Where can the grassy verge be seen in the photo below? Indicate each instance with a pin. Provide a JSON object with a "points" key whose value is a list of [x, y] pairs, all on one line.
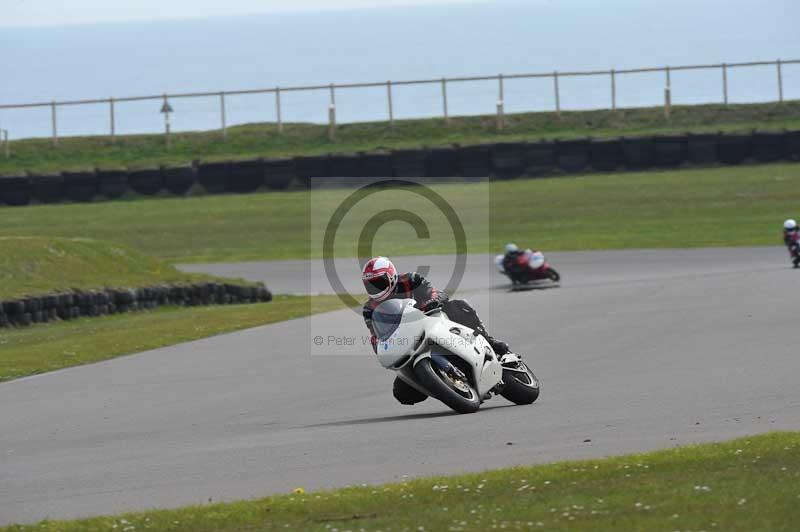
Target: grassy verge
{"points": [[748, 484], [52, 346], [263, 139], [727, 206], [39, 265]]}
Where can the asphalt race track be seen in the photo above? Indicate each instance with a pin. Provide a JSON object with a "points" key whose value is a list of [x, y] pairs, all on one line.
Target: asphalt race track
{"points": [[637, 350]]}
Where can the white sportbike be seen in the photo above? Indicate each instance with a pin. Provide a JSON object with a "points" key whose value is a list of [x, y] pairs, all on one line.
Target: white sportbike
{"points": [[446, 360]]}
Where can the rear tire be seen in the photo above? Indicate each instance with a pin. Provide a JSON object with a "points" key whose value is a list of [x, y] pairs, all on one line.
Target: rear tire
{"points": [[520, 385], [553, 275], [462, 402]]}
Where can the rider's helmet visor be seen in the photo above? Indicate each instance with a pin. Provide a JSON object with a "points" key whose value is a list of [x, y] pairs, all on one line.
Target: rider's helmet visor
{"points": [[376, 285]]}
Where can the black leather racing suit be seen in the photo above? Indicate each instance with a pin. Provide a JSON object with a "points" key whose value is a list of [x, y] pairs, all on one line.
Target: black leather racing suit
{"points": [[792, 241]]}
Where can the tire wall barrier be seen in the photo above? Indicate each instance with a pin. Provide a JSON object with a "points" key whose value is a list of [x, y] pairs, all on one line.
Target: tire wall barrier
{"points": [[769, 147], [48, 188], [410, 163], [443, 162], [506, 160], [475, 162], [792, 145], [540, 158], [733, 149], [639, 153], [670, 151], [179, 179], [573, 155], [279, 173], [702, 149], [15, 189], [377, 164], [245, 176], [112, 183], [344, 165], [80, 186], [147, 181], [213, 177], [71, 305], [309, 168], [606, 155]]}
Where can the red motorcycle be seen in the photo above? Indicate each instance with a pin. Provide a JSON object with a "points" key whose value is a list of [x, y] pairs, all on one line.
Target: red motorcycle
{"points": [[523, 267]]}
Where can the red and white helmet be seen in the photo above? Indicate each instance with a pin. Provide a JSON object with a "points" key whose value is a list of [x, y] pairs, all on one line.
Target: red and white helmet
{"points": [[380, 278]]}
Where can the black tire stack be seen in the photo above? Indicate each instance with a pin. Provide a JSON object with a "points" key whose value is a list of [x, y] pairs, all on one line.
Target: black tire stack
{"points": [[505, 160], [70, 305]]}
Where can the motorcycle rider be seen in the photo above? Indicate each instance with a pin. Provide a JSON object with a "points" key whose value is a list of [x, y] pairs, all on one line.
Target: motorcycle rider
{"points": [[791, 237], [382, 282], [512, 252]]}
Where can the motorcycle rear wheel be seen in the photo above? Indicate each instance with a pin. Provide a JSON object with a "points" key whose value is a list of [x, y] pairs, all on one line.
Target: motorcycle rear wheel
{"points": [[520, 385], [460, 396]]}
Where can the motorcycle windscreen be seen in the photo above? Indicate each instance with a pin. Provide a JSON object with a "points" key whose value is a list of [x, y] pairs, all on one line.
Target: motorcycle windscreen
{"points": [[386, 318], [536, 260]]}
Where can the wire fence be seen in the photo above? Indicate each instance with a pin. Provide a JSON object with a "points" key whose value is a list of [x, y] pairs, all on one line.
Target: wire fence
{"points": [[443, 85]]}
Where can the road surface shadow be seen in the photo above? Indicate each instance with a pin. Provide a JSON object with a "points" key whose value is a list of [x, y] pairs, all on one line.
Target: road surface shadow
{"points": [[390, 419], [547, 285]]}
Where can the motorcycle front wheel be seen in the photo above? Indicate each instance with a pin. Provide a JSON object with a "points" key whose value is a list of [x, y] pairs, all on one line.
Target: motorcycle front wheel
{"points": [[553, 275], [520, 385], [455, 392]]}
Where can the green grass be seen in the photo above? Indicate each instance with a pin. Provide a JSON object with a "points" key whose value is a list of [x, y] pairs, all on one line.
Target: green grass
{"points": [[751, 484], [726, 206], [57, 345], [39, 265], [256, 140]]}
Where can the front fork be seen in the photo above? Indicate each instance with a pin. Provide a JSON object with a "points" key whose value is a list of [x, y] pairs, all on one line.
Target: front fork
{"points": [[447, 367]]}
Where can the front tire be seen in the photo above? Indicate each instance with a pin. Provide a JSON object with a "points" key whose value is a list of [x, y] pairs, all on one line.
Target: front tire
{"points": [[460, 396], [520, 385], [553, 275]]}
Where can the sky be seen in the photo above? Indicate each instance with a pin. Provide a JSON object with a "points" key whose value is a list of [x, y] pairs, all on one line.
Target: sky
{"points": [[64, 12]]}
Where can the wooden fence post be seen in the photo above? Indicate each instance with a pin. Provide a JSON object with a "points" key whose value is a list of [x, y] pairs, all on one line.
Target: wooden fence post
{"points": [[725, 83], [444, 101], [112, 119], [278, 109], [222, 117], [668, 94], [613, 90], [501, 103], [54, 121], [166, 110], [332, 122], [557, 91], [391, 105]]}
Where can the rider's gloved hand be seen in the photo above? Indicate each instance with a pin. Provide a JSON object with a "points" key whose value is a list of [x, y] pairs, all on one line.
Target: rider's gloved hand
{"points": [[431, 304]]}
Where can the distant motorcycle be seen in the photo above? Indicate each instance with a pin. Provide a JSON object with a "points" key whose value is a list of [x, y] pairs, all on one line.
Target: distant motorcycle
{"points": [[525, 267], [443, 359]]}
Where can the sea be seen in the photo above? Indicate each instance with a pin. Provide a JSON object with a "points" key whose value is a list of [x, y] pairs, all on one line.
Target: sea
{"points": [[123, 59]]}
